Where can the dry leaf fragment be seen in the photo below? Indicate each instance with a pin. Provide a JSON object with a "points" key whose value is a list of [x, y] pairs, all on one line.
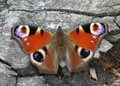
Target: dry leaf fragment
{"points": [[93, 73]]}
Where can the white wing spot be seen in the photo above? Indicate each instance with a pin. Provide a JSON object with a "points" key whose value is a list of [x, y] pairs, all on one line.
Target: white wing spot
{"points": [[92, 41], [28, 43], [25, 39], [94, 36]]}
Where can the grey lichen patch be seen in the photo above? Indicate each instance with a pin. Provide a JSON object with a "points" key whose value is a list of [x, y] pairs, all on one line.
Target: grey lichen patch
{"points": [[34, 81], [6, 75], [113, 38], [84, 5], [6, 80], [11, 52], [118, 21], [65, 20], [5, 69], [104, 47]]}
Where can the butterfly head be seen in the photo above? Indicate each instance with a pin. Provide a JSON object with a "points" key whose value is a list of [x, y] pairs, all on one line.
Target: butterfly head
{"points": [[59, 29]]}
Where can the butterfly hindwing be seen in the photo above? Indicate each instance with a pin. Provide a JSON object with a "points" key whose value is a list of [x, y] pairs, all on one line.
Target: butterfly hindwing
{"points": [[37, 43], [45, 59], [77, 57]]}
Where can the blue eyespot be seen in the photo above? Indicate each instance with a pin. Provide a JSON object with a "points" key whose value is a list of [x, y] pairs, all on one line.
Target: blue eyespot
{"points": [[17, 32], [38, 56], [100, 30], [84, 53], [20, 32]]}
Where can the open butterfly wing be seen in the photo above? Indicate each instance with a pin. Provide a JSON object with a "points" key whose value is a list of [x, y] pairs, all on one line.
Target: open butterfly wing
{"points": [[83, 41], [36, 42]]}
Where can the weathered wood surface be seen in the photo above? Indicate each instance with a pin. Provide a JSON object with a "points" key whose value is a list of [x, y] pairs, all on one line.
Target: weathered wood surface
{"points": [[15, 66]]}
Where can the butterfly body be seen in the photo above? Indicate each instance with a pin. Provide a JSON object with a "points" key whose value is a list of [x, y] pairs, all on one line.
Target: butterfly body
{"points": [[47, 50]]}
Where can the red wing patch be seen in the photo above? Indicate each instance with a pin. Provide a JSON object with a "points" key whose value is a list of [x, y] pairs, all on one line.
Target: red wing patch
{"points": [[85, 40], [34, 42], [88, 36], [32, 38]]}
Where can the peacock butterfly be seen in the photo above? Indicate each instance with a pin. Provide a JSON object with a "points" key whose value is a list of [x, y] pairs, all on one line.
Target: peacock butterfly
{"points": [[46, 49]]}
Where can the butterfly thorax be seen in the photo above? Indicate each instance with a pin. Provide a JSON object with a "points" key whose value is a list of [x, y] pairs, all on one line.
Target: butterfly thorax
{"points": [[60, 43]]}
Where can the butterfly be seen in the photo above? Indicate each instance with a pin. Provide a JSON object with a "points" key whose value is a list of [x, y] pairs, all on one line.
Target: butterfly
{"points": [[47, 50]]}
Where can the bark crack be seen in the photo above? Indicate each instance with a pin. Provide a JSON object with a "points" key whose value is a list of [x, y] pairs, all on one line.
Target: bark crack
{"points": [[115, 19], [5, 62], [16, 81], [73, 11], [18, 71]]}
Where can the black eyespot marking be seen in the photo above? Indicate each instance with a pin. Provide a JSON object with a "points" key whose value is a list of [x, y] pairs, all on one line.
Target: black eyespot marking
{"points": [[33, 29], [77, 30], [84, 53], [76, 48], [86, 28], [41, 32], [38, 56], [45, 49]]}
